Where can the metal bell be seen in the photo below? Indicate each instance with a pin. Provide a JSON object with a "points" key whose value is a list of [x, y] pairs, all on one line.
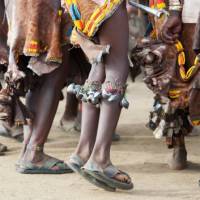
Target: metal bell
{"points": [[124, 103], [71, 88], [97, 95], [114, 97], [84, 98], [79, 92], [105, 94]]}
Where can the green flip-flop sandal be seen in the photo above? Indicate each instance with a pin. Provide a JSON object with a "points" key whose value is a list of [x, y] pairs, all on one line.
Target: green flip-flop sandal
{"points": [[76, 163], [108, 175], [50, 166]]}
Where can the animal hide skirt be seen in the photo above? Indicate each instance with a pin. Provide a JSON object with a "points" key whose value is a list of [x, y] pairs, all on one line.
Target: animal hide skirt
{"points": [[37, 34], [37, 29]]}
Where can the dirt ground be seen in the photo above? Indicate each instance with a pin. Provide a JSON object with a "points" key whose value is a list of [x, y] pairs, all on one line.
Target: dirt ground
{"points": [[138, 153]]}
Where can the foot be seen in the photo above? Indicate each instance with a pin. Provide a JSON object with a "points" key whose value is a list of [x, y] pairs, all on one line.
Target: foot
{"points": [[103, 165], [116, 137], [15, 132], [83, 154], [109, 175], [77, 125], [77, 122], [76, 164], [4, 131], [66, 124], [3, 148], [35, 161], [178, 161]]}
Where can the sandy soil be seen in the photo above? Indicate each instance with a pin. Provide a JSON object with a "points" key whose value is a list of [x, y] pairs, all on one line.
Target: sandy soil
{"points": [[138, 153]]}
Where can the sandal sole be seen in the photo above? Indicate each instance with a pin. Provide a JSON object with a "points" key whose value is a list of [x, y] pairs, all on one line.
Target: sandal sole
{"points": [[91, 179], [42, 171], [110, 182]]}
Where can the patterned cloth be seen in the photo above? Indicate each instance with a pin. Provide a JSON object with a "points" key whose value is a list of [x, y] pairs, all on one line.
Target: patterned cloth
{"points": [[88, 15], [160, 4], [37, 29]]}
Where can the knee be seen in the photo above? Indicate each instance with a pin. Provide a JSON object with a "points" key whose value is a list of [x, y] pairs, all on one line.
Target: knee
{"points": [[118, 70]]}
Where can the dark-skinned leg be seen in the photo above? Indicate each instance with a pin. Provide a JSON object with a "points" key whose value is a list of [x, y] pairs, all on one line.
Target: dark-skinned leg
{"points": [[114, 32], [77, 121], [71, 107], [70, 113], [90, 118], [79, 64], [178, 160], [77, 124], [31, 98], [46, 98]]}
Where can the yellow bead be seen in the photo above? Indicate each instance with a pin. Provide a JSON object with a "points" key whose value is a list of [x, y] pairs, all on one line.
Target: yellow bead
{"points": [[179, 46], [181, 58]]}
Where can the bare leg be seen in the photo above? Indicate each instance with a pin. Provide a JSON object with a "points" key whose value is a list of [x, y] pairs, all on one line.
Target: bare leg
{"points": [[90, 118], [114, 32], [77, 121], [79, 64], [77, 124], [178, 160], [31, 98], [71, 108], [70, 113], [46, 99]]}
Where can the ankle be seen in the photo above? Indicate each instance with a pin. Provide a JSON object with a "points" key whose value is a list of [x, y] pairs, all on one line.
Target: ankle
{"points": [[68, 117], [36, 143], [23, 150], [84, 152], [33, 153], [179, 142], [101, 157]]}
